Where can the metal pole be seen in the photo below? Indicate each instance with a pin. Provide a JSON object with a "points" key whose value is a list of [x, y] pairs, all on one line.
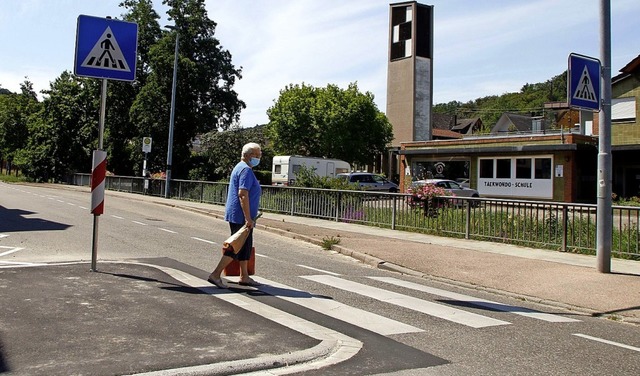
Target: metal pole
{"points": [[145, 175], [94, 248], [103, 111], [96, 218], [172, 117], [604, 214]]}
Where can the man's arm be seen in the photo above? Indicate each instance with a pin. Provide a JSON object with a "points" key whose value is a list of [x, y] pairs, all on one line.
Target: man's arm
{"points": [[243, 195]]}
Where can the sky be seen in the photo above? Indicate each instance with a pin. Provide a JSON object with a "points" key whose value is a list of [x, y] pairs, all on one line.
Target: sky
{"points": [[481, 47]]}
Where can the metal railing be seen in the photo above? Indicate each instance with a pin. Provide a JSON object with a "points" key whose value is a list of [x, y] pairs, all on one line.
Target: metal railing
{"points": [[568, 227]]}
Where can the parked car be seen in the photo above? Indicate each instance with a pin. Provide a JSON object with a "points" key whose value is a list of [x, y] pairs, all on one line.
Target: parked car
{"points": [[463, 182], [369, 181], [450, 186]]}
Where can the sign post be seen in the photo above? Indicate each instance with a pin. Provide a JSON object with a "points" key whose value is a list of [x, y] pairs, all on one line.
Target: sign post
{"points": [[589, 88], [105, 49], [146, 148]]}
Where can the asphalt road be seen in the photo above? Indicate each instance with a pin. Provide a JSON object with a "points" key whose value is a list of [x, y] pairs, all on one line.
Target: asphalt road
{"points": [[425, 327]]}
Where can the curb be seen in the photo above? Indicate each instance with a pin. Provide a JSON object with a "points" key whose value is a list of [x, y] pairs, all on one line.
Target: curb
{"points": [[266, 364], [381, 264]]}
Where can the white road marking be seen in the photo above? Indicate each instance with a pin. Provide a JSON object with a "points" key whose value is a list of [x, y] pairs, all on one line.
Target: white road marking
{"points": [[115, 216], [3, 236], [608, 342], [334, 347], [203, 240], [432, 309], [139, 223], [10, 251], [329, 307], [13, 264], [476, 301], [60, 201], [318, 270], [82, 207], [71, 203], [164, 229]]}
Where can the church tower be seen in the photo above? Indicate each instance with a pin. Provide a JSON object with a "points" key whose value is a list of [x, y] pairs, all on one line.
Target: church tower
{"points": [[410, 71]]}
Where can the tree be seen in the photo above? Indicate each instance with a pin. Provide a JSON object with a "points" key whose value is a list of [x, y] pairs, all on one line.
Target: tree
{"points": [[205, 99], [221, 152], [15, 110], [64, 132], [123, 137], [328, 122], [529, 100]]}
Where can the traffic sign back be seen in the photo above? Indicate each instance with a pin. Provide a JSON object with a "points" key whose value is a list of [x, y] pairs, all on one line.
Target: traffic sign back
{"points": [[584, 82], [106, 48]]}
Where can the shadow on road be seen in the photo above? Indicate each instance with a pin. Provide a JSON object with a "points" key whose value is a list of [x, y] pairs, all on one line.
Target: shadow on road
{"points": [[16, 220], [4, 367]]}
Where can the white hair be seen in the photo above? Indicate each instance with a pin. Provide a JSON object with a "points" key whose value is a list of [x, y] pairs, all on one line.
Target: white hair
{"points": [[250, 148]]}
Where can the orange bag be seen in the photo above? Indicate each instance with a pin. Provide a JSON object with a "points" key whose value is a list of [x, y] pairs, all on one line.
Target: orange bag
{"points": [[233, 269]]}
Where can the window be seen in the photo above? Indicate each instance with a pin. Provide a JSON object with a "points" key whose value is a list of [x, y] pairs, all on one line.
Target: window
{"points": [[277, 168], [543, 168], [503, 168], [523, 168], [536, 125], [362, 179], [623, 110], [401, 19], [516, 176], [379, 179], [486, 168]]}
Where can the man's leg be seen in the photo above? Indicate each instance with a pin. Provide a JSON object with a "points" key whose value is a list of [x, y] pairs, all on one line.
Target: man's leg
{"points": [[244, 271], [215, 276]]}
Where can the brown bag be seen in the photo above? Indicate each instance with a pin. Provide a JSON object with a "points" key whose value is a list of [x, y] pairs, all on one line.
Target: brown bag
{"points": [[235, 242]]}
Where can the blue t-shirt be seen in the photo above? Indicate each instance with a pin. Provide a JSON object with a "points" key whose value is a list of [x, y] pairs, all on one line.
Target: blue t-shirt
{"points": [[242, 177]]}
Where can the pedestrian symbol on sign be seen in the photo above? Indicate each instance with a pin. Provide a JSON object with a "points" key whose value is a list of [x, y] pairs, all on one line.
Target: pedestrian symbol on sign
{"points": [[106, 54], [583, 82], [585, 90]]}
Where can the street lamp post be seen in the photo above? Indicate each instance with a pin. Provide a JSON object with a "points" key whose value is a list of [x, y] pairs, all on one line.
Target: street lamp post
{"points": [[172, 115]]}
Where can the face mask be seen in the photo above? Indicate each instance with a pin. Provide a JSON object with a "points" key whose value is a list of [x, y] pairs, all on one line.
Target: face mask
{"points": [[254, 161]]}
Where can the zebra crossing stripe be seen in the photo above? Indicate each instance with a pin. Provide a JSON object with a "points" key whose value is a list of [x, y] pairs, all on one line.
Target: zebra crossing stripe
{"points": [[10, 250], [432, 309], [477, 302], [334, 347], [355, 316]]}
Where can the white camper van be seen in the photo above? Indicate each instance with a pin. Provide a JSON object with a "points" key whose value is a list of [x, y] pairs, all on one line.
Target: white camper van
{"points": [[285, 167]]}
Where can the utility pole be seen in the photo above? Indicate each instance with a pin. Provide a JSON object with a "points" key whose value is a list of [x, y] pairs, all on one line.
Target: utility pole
{"points": [[604, 209], [167, 190]]}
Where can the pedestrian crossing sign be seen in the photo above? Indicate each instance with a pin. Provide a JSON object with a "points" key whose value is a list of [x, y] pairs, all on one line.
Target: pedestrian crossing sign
{"points": [[106, 48], [584, 82]]}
